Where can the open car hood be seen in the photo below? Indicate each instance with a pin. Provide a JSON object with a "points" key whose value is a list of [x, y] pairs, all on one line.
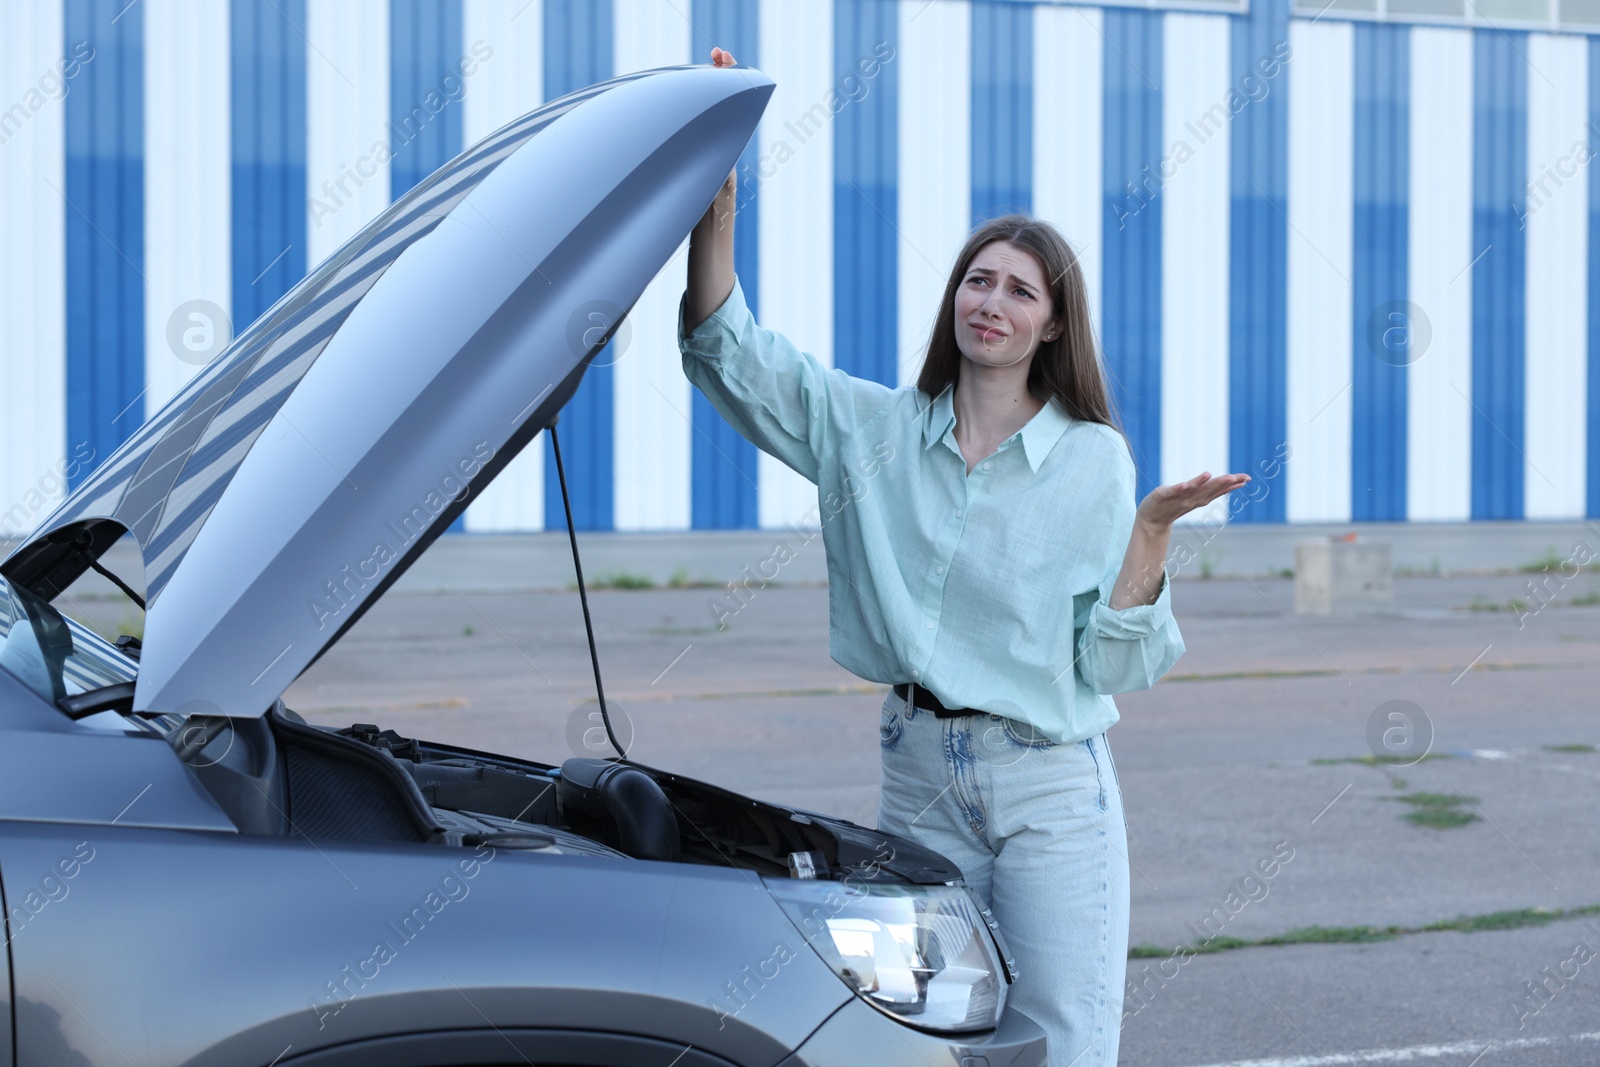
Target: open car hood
{"points": [[303, 470]]}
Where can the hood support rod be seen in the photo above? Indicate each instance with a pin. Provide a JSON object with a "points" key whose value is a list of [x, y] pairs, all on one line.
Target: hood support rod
{"points": [[583, 596], [112, 578]]}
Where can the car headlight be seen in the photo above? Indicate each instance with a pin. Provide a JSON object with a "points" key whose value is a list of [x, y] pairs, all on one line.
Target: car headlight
{"points": [[921, 953]]}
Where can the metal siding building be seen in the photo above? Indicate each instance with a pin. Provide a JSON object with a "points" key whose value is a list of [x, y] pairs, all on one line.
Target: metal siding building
{"points": [[1358, 245]]}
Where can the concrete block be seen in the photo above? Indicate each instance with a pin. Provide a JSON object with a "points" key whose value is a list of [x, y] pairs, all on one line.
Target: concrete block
{"points": [[1342, 577]]}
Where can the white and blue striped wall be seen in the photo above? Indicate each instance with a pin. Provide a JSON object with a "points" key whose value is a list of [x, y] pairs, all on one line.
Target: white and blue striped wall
{"points": [[1364, 246]]}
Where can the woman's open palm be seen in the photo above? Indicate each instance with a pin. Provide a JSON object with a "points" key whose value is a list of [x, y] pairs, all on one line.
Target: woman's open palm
{"points": [[1167, 503]]}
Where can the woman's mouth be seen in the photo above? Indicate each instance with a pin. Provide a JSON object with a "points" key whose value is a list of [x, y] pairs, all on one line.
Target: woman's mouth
{"points": [[990, 334]]}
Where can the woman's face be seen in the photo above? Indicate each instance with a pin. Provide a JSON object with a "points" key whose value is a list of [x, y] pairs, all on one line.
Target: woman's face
{"points": [[1003, 308]]}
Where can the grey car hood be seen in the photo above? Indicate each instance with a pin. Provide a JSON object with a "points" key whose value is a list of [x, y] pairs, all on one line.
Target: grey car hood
{"points": [[304, 469]]}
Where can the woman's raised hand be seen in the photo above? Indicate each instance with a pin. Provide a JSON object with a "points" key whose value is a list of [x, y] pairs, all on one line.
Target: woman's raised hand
{"points": [[1144, 563], [721, 57], [711, 243], [1167, 503]]}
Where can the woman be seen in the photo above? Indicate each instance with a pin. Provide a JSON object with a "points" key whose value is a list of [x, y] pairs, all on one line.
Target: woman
{"points": [[974, 526]]}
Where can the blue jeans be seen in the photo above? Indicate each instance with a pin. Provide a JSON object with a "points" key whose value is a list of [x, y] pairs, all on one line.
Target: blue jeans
{"points": [[1037, 828]]}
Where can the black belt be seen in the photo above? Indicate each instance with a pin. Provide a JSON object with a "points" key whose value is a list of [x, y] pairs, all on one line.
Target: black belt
{"points": [[928, 702]]}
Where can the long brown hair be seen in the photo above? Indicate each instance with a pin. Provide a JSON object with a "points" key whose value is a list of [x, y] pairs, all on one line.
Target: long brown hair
{"points": [[1067, 370]]}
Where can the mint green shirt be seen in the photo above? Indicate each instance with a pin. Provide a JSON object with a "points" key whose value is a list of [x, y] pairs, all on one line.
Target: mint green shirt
{"points": [[990, 589]]}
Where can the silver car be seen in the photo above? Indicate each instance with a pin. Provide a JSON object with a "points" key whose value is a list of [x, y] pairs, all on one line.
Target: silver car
{"points": [[192, 874]]}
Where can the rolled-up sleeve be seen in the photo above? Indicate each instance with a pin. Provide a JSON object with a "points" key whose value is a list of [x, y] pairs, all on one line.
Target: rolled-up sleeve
{"points": [[1120, 651], [782, 400]]}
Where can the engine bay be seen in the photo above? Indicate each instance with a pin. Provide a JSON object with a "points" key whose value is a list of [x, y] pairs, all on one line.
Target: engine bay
{"points": [[283, 776], [623, 808]]}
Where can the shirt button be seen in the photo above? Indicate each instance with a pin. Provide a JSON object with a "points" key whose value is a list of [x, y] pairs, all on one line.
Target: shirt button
{"points": [[958, 514], [986, 466], [938, 570], [930, 626], [916, 674]]}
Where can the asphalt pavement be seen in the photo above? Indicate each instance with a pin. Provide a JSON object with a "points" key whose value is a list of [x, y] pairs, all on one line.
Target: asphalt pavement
{"points": [[1259, 740]]}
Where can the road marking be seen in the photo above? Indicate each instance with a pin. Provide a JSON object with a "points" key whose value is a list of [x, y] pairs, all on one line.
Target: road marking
{"points": [[1410, 1052]]}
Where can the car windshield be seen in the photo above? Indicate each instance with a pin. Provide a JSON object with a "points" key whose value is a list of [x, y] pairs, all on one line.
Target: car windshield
{"points": [[50, 653]]}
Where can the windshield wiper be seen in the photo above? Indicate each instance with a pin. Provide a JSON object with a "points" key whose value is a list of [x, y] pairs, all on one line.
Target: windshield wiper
{"points": [[118, 697]]}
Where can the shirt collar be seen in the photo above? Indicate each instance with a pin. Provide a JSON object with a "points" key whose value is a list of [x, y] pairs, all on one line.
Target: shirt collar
{"points": [[939, 417], [1039, 436]]}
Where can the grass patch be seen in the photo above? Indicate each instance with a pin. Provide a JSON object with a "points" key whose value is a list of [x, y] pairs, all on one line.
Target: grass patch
{"points": [[1513, 605], [679, 579], [1300, 935], [617, 580], [626, 580], [1437, 811], [1334, 935], [1576, 746], [1381, 761], [1512, 920], [1362, 935], [1229, 676], [760, 694], [1440, 818], [1517, 604], [1435, 800], [1145, 951], [1547, 562]]}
